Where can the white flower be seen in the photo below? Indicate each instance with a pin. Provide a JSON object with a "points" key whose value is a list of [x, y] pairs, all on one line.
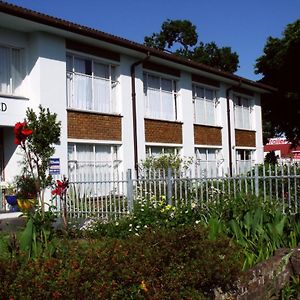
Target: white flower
{"points": [[4, 185], [197, 222], [117, 223]]}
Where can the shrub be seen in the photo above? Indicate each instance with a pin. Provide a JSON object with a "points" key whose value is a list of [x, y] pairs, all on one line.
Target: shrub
{"points": [[174, 263]]}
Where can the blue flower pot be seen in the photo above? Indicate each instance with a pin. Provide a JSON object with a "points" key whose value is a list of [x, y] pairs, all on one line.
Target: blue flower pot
{"points": [[11, 199], [14, 208]]}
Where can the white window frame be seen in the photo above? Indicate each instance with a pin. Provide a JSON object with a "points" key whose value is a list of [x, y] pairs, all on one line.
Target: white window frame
{"points": [[114, 161], [246, 110], [244, 165], [174, 93], [112, 82], [164, 150], [11, 90], [205, 101], [208, 171]]}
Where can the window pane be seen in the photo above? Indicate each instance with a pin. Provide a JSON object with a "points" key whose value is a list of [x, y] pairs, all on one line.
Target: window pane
{"points": [[16, 70], [5, 70], [153, 105], [69, 62], [209, 94], [83, 92], [79, 65], [101, 95], [199, 111], [166, 85], [153, 82], [167, 106], [210, 112], [239, 116], [199, 92], [101, 70]]}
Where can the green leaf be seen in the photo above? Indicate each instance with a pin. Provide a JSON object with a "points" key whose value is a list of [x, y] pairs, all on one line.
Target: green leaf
{"points": [[26, 237]]}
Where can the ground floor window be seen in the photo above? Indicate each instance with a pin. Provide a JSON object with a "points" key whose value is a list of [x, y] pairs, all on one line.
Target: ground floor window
{"points": [[92, 162], [160, 150], [207, 164], [244, 160]]}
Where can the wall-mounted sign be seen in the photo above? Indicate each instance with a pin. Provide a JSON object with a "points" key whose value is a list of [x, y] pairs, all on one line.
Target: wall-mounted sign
{"points": [[54, 166]]}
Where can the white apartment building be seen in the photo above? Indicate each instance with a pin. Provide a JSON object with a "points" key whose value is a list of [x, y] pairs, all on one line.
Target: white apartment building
{"points": [[119, 101]]}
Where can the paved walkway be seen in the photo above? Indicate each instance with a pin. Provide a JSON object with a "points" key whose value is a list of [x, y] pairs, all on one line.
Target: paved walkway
{"points": [[11, 221]]}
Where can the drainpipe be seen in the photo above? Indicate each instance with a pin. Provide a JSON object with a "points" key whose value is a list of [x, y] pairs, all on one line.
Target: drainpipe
{"points": [[229, 127], [229, 130], [134, 116]]}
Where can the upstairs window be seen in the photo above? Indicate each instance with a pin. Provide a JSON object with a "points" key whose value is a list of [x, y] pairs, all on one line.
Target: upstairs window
{"points": [[91, 85], [243, 111], [205, 105], [11, 70], [160, 97]]}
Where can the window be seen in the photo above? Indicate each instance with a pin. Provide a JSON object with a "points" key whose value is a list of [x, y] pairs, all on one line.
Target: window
{"points": [[160, 97], [205, 104], [158, 150], [244, 160], [207, 162], [243, 109], [11, 70], [88, 162], [91, 85]]}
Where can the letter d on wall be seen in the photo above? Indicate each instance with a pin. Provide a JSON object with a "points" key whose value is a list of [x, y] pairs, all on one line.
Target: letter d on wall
{"points": [[3, 106]]}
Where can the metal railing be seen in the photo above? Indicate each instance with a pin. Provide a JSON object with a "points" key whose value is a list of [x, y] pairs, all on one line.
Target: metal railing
{"points": [[115, 197]]}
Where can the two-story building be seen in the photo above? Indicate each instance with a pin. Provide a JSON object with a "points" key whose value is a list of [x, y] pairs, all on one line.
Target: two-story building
{"points": [[120, 101]]}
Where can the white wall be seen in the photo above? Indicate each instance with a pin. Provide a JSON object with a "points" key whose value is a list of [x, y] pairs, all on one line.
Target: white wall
{"points": [[186, 110], [124, 100], [45, 83]]}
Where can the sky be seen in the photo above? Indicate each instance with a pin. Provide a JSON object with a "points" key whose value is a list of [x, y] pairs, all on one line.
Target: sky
{"points": [[242, 25]]}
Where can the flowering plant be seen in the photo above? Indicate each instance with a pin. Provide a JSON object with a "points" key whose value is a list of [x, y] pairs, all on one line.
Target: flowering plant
{"points": [[61, 187], [21, 133], [36, 136], [60, 190]]}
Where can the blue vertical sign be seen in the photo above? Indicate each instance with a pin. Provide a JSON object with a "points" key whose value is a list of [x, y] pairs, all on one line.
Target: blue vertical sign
{"points": [[54, 166]]}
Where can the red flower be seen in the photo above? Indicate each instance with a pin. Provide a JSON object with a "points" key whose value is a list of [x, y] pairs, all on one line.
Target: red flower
{"points": [[21, 132], [60, 187]]}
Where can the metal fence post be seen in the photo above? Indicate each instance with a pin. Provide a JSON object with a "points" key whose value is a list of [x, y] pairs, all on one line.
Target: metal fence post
{"points": [[169, 186], [129, 189], [256, 181]]}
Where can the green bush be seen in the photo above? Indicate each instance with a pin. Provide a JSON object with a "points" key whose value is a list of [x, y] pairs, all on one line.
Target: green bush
{"points": [[174, 263]]}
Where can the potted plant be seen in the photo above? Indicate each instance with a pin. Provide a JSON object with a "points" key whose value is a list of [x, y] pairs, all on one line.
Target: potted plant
{"points": [[9, 191], [26, 191]]}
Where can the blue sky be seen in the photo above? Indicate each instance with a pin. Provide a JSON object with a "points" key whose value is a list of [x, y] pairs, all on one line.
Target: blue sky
{"points": [[242, 25]]}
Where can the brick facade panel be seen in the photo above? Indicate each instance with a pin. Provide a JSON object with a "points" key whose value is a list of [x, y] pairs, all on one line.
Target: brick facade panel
{"points": [[245, 138], [207, 135], [82, 125], [157, 131]]}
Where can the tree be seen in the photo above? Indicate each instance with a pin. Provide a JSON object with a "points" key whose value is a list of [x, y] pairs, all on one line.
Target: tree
{"points": [[182, 35], [280, 65]]}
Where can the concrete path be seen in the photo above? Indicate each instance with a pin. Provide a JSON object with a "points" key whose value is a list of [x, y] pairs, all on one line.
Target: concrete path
{"points": [[11, 221]]}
